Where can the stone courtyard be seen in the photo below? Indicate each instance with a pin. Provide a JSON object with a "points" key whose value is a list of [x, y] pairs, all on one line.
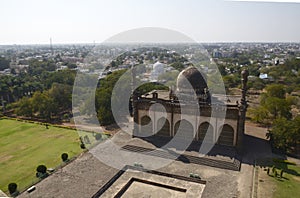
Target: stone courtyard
{"points": [[86, 175]]}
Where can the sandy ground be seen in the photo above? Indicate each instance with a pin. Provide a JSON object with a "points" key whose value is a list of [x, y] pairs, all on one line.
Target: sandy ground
{"points": [[255, 130], [265, 186]]}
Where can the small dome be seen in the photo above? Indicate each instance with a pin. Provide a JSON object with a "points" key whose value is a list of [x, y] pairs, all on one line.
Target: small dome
{"points": [[158, 66], [189, 78], [158, 69]]}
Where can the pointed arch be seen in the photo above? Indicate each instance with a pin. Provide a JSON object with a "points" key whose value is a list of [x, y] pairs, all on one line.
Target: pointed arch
{"points": [[206, 130], [226, 135], [146, 125], [184, 130], [163, 127]]}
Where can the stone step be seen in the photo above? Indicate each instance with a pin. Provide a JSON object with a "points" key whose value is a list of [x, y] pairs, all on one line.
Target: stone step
{"points": [[223, 164]]}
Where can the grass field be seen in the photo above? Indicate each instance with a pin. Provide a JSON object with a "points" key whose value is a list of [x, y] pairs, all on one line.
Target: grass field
{"points": [[288, 186], [282, 187], [23, 146]]}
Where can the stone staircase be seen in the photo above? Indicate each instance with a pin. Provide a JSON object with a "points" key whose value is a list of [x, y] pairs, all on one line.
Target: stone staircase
{"points": [[232, 164]]}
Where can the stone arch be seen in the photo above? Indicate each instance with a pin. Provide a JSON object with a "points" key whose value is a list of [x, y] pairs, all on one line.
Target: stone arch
{"points": [[206, 130], [163, 127], [184, 130], [226, 135], [146, 125]]}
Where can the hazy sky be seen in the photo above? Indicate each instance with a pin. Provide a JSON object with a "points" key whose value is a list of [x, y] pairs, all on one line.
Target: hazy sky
{"points": [[85, 21]]}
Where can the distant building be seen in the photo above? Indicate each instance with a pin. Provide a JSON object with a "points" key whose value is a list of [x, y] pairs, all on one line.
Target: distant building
{"points": [[217, 54], [266, 77], [263, 76], [6, 71]]}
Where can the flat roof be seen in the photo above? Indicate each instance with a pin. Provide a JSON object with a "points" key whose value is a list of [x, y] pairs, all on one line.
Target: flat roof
{"points": [[139, 182]]}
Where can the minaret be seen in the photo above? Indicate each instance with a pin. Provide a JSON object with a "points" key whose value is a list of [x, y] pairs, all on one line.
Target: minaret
{"points": [[134, 99], [243, 110], [245, 74]]}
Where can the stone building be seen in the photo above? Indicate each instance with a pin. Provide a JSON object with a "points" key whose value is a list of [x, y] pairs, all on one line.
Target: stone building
{"points": [[192, 113]]}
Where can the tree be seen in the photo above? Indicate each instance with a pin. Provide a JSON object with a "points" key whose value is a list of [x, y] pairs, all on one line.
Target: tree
{"points": [[276, 90], [43, 104], [24, 107], [4, 63], [103, 105], [222, 70], [98, 136], [292, 100], [231, 81], [285, 134], [279, 133], [104, 97], [12, 188], [37, 67], [72, 65], [61, 94], [259, 114], [295, 132], [178, 66], [147, 87], [64, 157], [258, 84], [5, 88], [41, 169], [66, 77], [277, 107], [274, 100]]}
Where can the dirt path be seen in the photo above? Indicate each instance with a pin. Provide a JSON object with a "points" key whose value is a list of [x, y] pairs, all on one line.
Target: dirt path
{"points": [[265, 186]]}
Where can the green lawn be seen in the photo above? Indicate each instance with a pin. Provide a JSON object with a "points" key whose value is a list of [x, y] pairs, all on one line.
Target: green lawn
{"points": [[23, 146], [288, 186]]}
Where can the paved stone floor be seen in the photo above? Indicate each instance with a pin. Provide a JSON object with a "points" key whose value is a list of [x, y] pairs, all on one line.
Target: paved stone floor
{"points": [[87, 174], [138, 190], [152, 185]]}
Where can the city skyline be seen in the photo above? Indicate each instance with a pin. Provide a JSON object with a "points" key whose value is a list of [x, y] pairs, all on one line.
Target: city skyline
{"points": [[33, 22]]}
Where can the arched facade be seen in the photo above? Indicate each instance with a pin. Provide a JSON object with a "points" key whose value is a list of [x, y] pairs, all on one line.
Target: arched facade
{"points": [[214, 130], [222, 123]]}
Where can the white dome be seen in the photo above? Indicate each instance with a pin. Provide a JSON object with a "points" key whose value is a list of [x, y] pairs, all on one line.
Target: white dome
{"points": [[158, 67]]}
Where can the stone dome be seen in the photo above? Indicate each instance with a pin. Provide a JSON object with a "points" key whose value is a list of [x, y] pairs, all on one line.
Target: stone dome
{"points": [[189, 78]]}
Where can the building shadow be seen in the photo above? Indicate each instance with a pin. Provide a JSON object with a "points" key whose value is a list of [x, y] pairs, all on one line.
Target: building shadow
{"points": [[253, 148]]}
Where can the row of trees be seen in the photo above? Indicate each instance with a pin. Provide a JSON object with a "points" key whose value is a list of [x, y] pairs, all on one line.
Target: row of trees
{"points": [[274, 103], [275, 111], [12, 88], [105, 95], [40, 92], [46, 104]]}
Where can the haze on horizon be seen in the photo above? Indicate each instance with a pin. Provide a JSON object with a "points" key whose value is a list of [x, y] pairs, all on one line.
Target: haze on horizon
{"points": [[75, 21]]}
